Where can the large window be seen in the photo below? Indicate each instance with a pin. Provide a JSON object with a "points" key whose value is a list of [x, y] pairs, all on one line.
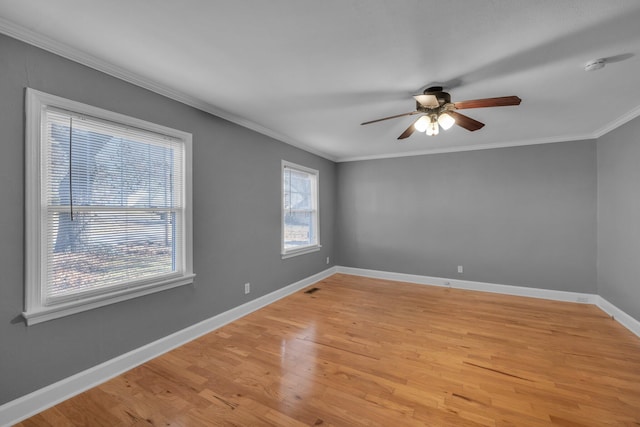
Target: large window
{"points": [[299, 210], [108, 207]]}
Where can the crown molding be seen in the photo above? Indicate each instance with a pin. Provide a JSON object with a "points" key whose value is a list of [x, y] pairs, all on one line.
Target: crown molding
{"points": [[618, 122], [467, 148], [36, 39]]}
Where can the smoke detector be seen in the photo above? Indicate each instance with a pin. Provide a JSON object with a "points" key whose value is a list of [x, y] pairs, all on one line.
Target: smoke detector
{"points": [[594, 65]]}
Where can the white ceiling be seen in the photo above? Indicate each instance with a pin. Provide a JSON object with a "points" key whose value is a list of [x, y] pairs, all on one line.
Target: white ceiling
{"points": [[309, 72]]}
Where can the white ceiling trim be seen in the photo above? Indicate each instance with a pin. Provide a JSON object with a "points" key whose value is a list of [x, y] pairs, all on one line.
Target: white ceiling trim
{"points": [[595, 135], [468, 148], [38, 40], [618, 122]]}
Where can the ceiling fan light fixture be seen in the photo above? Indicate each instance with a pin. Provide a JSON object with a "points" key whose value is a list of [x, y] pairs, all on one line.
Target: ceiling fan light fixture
{"points": [[422, 124], [435, 109], [446, 121], [433, 128]]}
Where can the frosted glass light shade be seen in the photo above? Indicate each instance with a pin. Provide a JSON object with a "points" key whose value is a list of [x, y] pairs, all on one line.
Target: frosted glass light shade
{"points": [[433, 128], [422, 123], [446, 121]]}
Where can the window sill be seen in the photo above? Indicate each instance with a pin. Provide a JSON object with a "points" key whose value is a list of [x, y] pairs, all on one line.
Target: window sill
{"points": [[43, 314], [306, 250]]}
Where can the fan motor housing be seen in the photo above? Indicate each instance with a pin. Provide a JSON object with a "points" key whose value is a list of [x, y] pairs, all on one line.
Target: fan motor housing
{"points": [[444, 101], [438, 92]]}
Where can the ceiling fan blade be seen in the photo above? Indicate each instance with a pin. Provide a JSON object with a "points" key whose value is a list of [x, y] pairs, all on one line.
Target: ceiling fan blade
{"points": [[466, 122], [391, 117], [502, 101], [409, 131], [427, 101]]}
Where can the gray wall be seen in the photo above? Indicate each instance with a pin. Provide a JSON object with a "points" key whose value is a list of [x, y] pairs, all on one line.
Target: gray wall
{"points": [[619, 217], [236, 175], [519, 216], [522, 216]]}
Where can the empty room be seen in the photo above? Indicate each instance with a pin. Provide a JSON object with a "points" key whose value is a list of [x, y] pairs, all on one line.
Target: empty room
{"points": [[329, 213]]}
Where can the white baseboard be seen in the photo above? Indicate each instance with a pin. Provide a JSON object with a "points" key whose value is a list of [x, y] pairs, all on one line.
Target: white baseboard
{"points": [[620, 316], [475, 286], [33, 403]]}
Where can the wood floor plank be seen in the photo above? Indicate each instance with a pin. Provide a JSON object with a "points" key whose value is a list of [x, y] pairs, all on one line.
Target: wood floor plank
{"points": [[371, 352]]}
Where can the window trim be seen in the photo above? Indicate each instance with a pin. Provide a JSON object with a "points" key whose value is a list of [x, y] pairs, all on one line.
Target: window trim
{"points": [[35, 252], [289, 253]]}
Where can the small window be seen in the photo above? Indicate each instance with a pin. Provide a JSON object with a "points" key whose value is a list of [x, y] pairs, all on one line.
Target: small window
{"points": [[108, 207], [300, 232]]}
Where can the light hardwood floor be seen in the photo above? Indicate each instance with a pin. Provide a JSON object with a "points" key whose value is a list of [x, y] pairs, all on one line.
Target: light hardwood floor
{"points": [[362, 351]]}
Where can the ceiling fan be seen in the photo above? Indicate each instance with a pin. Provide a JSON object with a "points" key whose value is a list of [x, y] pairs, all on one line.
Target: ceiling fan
{"points": [[437, 111]]}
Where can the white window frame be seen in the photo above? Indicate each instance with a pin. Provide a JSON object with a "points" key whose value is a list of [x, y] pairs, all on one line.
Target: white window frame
{"points": [[314, 247], [35, 310]]}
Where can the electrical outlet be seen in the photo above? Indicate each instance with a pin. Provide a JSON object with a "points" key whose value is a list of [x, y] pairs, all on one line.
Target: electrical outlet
{"points": [[327, 260], [460, 269], [247, 288]]}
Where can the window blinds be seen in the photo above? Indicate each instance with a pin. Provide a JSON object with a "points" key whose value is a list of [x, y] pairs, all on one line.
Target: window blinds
{"points": [[115, 205], [299, 208]]}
